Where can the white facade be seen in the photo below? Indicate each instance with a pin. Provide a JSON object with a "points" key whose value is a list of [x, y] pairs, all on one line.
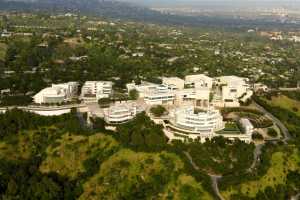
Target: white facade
{"points": [[247, 126], [232, 88], [50, 95], [142, 88], [201, 121], [196, 96], [199, 81], [228, 91], [71, 88], [159, 97], [58, 93], [155, 94], [188, 123], [120, 113], [171, 93], [260, 87], [176, 82], [96, 90]]}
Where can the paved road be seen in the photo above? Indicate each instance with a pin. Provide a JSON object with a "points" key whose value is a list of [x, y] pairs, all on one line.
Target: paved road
{"points": [[81, 119], [257, 152], [256, 156], [284, 130], [214, 178]]}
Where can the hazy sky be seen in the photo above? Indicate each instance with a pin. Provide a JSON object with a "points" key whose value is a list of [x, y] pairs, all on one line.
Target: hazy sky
{"points": [[186, 1], [227, 2]]}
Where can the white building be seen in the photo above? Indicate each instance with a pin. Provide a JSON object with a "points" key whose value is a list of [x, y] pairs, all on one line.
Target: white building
{"points": [[176, 82], [143, 88], [172, 91], [95, 90], [260, 87], [50, 95], [58, 93], [202, 121], [121, 113], [191, 123], [71, 89], [295, 39], [228, 91], [193, 96], [199, 81], [232, 88], [247, 126], [159, 97]]}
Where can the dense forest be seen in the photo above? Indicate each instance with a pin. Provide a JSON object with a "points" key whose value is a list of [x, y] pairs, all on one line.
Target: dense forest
{"points": [[57, 158], [36, 156]]}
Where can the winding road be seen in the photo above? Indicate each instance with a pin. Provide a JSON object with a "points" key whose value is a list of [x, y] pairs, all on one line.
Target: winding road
{"points": [[256, 156], [214, 178], [284, 130]]}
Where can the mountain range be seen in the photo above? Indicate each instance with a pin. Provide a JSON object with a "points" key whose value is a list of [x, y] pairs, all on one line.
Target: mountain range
{"points": [[123, 10]]}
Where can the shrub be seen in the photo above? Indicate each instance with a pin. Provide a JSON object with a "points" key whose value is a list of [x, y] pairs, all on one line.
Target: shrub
{"points": [[133, 94], [272, 132], [158, 111], [257, 136], [104, 102]]}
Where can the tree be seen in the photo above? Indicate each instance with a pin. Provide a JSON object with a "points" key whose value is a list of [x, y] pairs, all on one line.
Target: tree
{"points": [[104, 102], [257, 136], [98, 124], [133, 94], [142, 134], [158, 111], [272, 132]]}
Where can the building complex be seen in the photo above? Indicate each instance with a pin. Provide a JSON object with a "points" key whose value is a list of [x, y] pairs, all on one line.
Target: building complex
{"points": [[198, 90], [192, 103]]}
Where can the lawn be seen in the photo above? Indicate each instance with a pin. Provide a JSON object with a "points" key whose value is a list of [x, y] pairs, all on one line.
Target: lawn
{"points": [[281, 163], [230, 128], [67, 155], [286, 103], [3, 48]]}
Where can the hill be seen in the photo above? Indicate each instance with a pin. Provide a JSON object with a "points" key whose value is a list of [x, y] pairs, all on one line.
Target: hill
{"points": [[136, 12]]}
